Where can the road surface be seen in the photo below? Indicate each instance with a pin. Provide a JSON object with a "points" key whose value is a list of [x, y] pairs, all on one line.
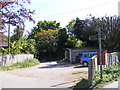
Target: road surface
{"points": [[45, 75]]}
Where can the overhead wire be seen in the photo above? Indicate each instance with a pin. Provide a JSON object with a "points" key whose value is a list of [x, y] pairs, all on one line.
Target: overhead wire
{"points": [[74, 11]]}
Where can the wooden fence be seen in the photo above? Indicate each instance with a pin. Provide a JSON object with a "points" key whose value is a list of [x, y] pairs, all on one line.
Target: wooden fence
{"points": [[111, 59]]}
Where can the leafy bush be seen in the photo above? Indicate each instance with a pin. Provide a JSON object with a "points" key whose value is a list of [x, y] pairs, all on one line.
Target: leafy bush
{"points": [[83, 83], [64, 60], [21, 46], [109, 74], [26, 63], [73, 42]]}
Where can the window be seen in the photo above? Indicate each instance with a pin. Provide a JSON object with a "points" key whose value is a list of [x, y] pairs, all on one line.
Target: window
{"points": [[87, 55]]}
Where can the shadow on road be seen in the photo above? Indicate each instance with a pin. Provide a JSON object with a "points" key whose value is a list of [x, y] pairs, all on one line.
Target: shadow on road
{"points": [[62, 84], [55, 66], [61, 65], [80, 66]]}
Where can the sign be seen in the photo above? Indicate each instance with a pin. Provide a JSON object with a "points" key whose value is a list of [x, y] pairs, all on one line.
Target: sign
{"points": [[95, 37], [103, 58]]}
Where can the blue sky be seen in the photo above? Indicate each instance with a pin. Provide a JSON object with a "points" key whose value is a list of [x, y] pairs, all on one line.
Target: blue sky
{"points": [[64, 11]]}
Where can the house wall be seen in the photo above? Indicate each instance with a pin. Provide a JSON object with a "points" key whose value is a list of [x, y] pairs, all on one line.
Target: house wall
{"points": [[74, 53]]}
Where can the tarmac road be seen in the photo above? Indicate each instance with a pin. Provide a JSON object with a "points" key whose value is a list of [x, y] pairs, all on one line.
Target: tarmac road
{"points": [[45, 75]]}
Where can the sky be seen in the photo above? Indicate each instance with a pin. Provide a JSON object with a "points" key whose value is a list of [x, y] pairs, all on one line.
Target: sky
{"points": [[64, 11]]}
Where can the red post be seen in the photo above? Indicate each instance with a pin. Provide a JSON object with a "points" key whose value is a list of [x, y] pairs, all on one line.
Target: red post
{"points": [[103, 58]]}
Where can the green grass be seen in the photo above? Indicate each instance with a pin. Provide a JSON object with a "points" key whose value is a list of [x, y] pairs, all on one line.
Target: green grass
{"points": [[80, 72], [83, 83], [26, 63], [110, 74]]}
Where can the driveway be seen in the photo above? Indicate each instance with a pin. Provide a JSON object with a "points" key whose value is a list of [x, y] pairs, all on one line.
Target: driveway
{"points": [[44, 75]]}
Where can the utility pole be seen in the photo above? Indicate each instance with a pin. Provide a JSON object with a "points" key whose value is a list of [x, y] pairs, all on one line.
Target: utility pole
{"points": [[9, 37], [100, 50]]}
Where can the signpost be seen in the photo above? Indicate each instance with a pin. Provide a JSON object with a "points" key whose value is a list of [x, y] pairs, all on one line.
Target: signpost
{"points": [[95, 37], [100, 51], [99, 37]]}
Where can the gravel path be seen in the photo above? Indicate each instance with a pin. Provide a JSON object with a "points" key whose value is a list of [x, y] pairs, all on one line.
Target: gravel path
{"points": [[45, 75]]}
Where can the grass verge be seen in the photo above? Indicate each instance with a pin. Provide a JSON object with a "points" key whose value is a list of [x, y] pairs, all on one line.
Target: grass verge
{"points": [[80, 72], [110, 74], [26, 63], [83, 83]]}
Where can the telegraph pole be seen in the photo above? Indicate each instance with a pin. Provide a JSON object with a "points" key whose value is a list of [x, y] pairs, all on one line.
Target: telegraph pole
{"points": [[100, 47], [9, 37], [100, 51]]}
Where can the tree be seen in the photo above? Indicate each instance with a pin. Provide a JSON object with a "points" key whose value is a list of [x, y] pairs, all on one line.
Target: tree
{"points": [[73, 42], [15, 13], [110, 26], [82, 30], [22, 46], [17, 34], [46, 43], [50, 39], [62, 38], [78, 28], [70, 27], [44, 25]]}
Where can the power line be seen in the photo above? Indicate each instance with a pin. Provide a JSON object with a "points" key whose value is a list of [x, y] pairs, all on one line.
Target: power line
{"points": [[74, 11]]}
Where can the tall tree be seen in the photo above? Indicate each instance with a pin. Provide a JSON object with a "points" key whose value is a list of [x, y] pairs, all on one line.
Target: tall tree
{"points": [[78, 28], [15, 13], [46, 43], [111, 28], [18, 33], [70, 27], [82, 29], [44, 25]]}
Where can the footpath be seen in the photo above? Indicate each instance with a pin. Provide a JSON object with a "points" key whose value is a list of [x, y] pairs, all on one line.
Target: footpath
{"points": [[115, 84]]}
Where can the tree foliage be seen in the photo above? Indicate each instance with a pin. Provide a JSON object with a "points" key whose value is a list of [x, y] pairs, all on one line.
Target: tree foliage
{"points": [[46, 42], [21, 46], [73, 42], [44, 25], [110, 26], [62, 39], [15, 13], [17, 34], [82, 30]]}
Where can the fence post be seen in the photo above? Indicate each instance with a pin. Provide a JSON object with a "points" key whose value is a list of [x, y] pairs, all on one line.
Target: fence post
{"points": [[70, 56], [111, 59], [90, 73]]}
